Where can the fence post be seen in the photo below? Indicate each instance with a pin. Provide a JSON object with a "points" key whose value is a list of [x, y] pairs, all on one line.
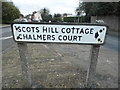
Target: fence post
{"points": [[92, 68], [24, 57]]}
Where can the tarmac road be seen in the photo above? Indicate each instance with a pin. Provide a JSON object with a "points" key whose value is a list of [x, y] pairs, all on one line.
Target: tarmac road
{"points": [[112, 41], [6, 39]]}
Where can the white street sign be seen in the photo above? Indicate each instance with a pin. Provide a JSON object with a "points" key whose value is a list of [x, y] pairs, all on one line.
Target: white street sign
{"points": [[59, 33]]}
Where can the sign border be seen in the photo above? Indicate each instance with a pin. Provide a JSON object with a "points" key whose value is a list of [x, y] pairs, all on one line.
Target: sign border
{"points": [[90, 24]]}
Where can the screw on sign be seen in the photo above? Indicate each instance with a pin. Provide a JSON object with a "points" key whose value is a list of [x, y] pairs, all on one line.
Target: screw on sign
{"points": [[88, 34]]}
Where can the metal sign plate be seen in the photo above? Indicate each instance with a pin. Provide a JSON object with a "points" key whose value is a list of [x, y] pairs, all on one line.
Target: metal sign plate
{"points": [[59, 33]]}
